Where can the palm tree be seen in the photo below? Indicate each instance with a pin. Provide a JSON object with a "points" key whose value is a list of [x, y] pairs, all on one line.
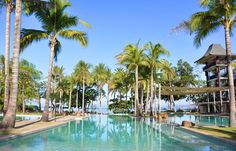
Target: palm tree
{"points": [[9, 8], [71, 80], [133, 57], [167, 74], [219, 13], [58, 71], [9, 118], [55, 22], [109, 76], [154, 53], [82, 74], [100, 78], [2, 66]]}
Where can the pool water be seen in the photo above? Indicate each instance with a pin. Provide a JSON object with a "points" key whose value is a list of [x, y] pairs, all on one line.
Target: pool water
{"points": [[115, 133], [202, 120]]}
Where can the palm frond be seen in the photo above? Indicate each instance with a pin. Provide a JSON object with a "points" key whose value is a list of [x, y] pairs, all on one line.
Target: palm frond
{"points": [[28, 36], [57, 49], [202, 24], [84, 23], [75, 35]]}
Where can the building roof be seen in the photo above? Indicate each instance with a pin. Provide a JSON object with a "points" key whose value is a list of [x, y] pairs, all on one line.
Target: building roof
{"points": [[214, 50]]}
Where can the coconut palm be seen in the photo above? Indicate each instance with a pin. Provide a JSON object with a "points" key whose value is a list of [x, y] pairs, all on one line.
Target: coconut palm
{"points": [[82, 74], [9, 7], [58, 73], [219, 13], [55, 22], [2, 66], [154, 53], [109, 76], [133, 57], [71, 80], [100, 78], [9, 118], [167, 74]]}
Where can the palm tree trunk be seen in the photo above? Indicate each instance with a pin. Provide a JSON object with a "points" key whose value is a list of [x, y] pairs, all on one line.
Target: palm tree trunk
{"points": [[70, 99], [100, 100], [108, 98], [10, 116], [77, 99], [151, 97], [136, 93], [7, 56], [60, 104], [147, 99], [39, 101], [23, 100], [159, 99], [231, 79], [45, 115], [83, 97], [141, 97]]}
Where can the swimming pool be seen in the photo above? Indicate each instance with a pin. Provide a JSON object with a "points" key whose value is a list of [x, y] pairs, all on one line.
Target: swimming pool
{"points": [[201, 120], [115, 133]]}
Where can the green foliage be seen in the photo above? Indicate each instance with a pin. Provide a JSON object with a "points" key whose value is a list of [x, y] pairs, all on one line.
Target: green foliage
{"points": [[123, 106], [31, 108], [55, 22], [217, 13]]}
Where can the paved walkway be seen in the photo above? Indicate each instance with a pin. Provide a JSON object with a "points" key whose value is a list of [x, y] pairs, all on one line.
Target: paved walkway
{"points": [[28, 127]]}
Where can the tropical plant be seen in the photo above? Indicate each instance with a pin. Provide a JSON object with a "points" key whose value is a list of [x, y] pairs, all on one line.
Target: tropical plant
{"points": [[154, 53], [218, 13], [9, 7], [9, 117], [29, 76], [133, 57], [100, 77], [82, 74], [55, 22], [167, 76]]}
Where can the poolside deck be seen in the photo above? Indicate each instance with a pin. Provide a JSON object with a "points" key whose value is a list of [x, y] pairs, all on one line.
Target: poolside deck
{"points": [[28, 127], [222, 133]]}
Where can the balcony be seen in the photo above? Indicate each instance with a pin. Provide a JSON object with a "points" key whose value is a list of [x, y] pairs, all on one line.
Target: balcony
{"points": [[212, 65]]}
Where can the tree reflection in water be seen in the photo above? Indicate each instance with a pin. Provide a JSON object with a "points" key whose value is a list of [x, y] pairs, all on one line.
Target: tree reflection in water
{"points": [[105, 133]]}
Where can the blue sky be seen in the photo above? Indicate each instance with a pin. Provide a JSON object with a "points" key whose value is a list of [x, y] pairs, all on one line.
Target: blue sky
{"points": [[116, 23]]}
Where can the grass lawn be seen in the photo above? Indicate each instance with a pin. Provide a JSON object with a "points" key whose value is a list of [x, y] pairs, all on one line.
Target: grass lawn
{"points": [[224, 132]]}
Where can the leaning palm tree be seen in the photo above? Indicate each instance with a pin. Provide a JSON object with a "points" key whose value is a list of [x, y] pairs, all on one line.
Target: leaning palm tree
{"points": [[82, 74], [133, 57], [154, 53], [219, 13], [100, 78], [55, 22], [9, 118]]}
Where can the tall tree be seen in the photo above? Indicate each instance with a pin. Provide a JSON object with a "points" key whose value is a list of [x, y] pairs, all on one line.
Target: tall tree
{"points": [[167, 76], [154, 53], [99, 76], [9, 7], [218, 13], [55, 22], [133, 57], [29, 76], [9, 118], [82, 74], [109, 76]]}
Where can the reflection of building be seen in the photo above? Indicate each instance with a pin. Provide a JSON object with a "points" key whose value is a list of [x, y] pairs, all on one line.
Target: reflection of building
{"points": [[216, 75]]}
